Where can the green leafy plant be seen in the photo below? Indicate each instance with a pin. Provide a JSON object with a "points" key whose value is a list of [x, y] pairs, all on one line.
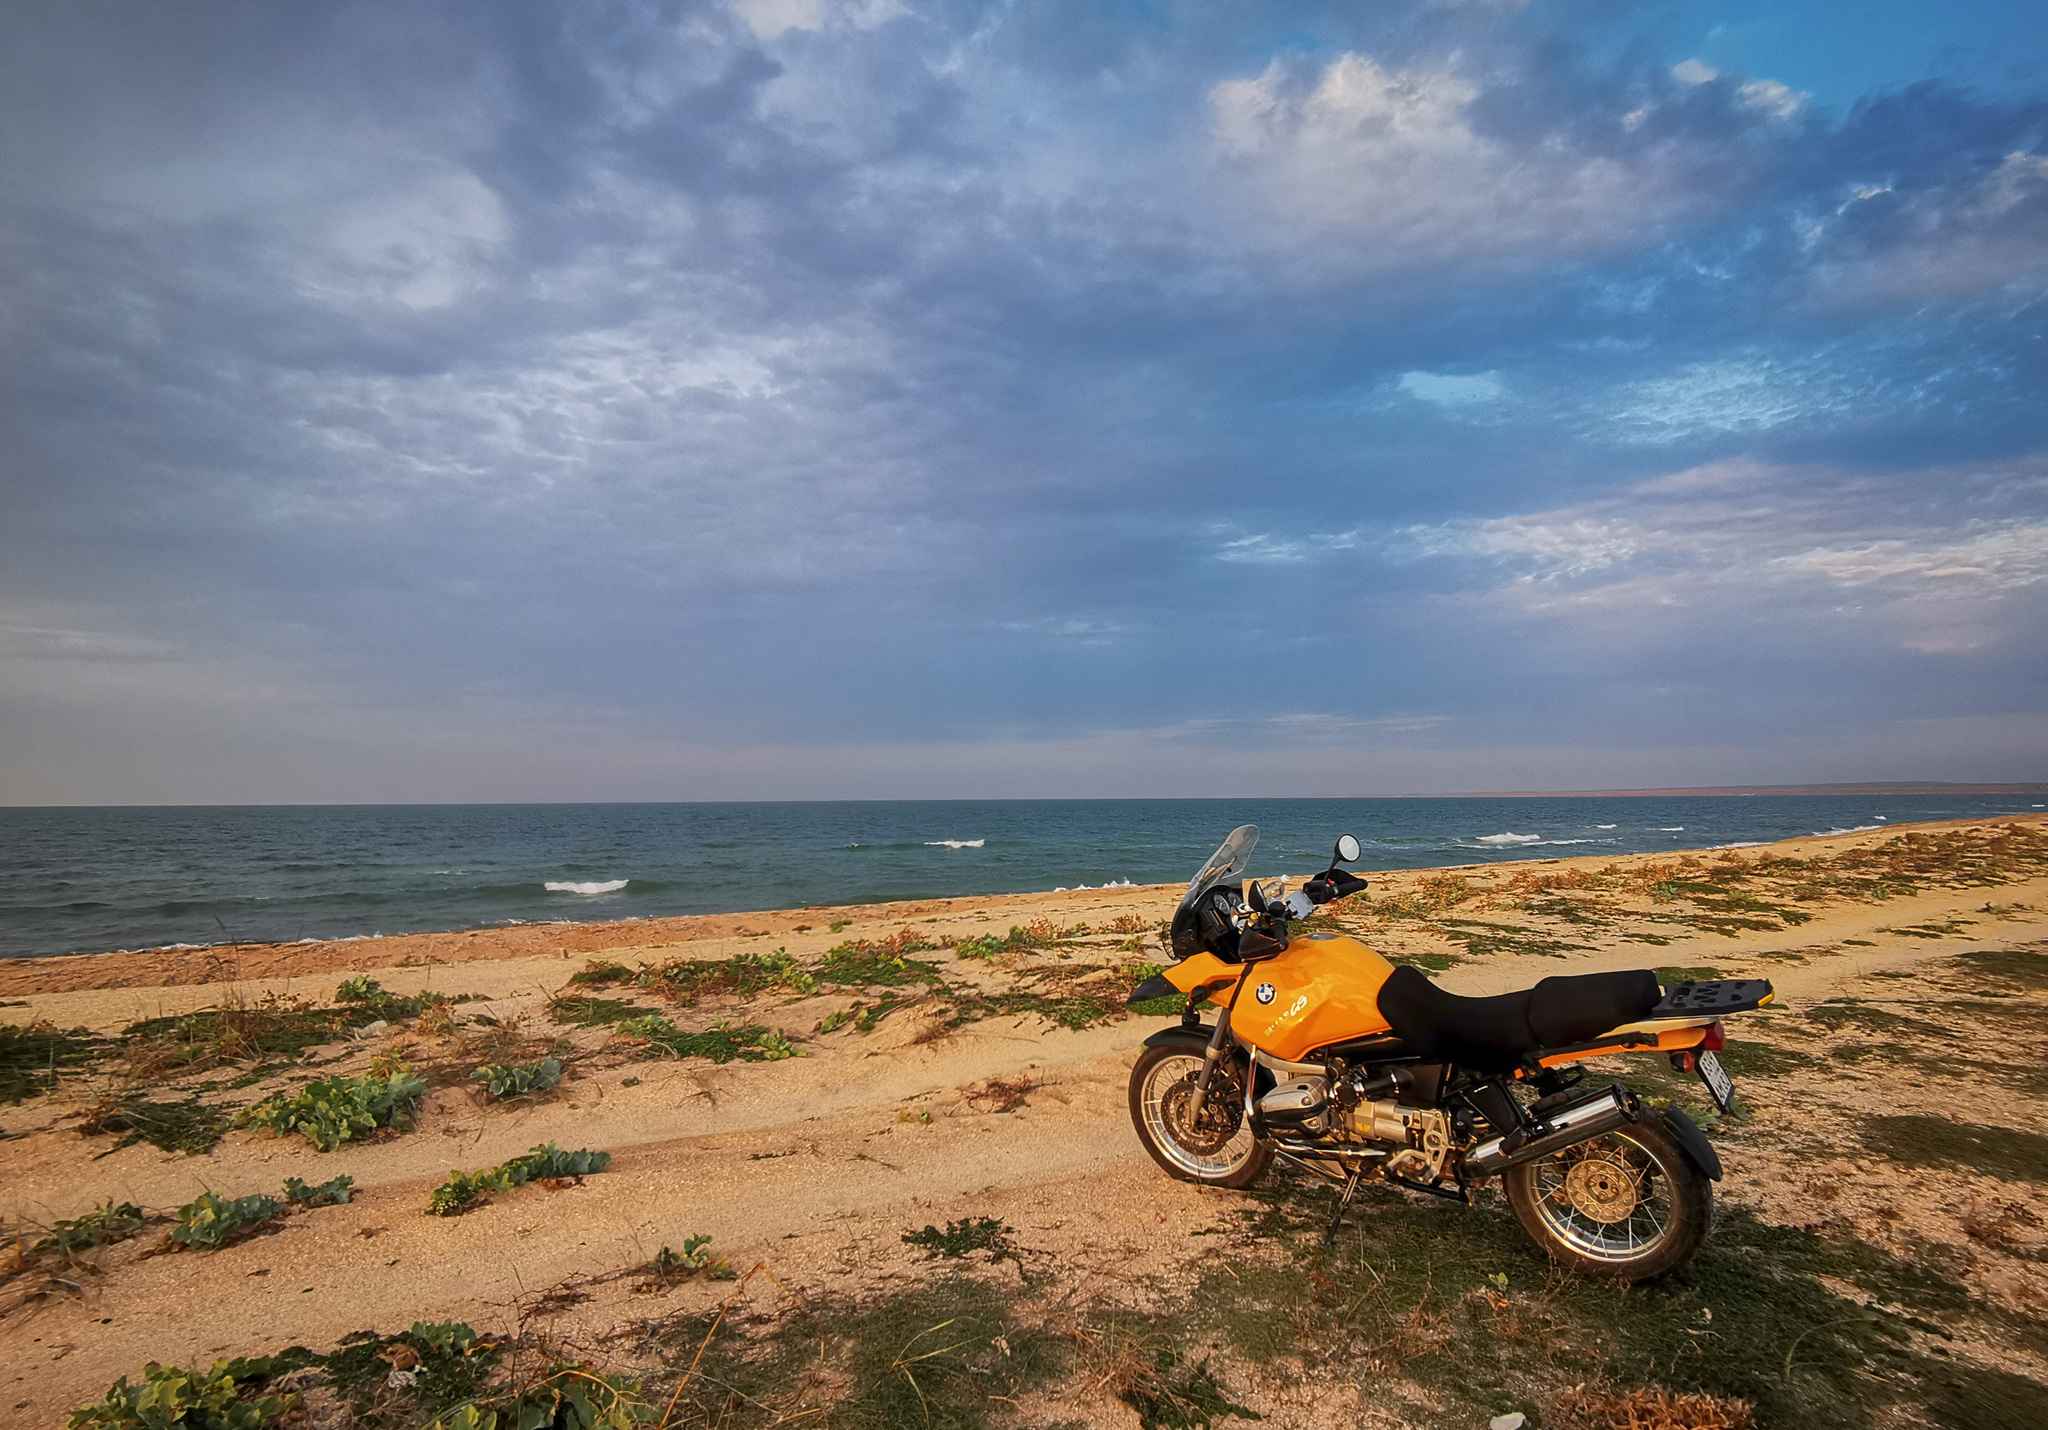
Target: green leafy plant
{"points": [[328, 1194], [670, 1265], [210, 1223], [518, 1079], [191, 1400], [687, 979], [103, 1226], [462, 1190], [569, 1397], [339, 1109], [961, 1238], [721, 1043]]}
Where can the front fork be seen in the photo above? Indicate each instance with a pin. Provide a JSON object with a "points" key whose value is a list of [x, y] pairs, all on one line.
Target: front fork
{"points": [[1214, 1053]]}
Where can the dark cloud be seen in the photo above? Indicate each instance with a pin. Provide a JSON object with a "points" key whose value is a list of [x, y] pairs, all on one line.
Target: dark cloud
{"points": [[835, 375]]}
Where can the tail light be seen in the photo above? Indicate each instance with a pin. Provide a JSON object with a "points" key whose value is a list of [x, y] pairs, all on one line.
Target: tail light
{"points": [[1716, 1038]]}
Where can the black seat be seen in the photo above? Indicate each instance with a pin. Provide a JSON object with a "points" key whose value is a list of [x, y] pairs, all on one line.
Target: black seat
{"points": [[1495, 1034]]}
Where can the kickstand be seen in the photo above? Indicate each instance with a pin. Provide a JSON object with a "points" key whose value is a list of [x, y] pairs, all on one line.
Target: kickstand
{"points": [[1350, 1189]]}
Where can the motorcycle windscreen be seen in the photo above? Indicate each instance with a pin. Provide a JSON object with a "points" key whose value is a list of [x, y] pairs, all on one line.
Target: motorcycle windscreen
{"points": [[1226, 863]]}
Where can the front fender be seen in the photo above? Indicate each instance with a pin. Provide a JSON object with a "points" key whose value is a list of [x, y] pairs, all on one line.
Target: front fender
{"points": [[1197, 1037]]}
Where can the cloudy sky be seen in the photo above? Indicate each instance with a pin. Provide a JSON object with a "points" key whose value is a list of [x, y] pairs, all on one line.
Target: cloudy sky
{"points": [[822, 398]]}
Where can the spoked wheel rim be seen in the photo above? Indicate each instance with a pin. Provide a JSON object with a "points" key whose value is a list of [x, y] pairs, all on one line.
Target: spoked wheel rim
{"points": [[1220, 1143], [1609, 1199]]}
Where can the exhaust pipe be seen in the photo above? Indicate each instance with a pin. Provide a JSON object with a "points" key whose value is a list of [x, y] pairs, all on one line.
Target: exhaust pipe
{"points": [[1582, 1121]]}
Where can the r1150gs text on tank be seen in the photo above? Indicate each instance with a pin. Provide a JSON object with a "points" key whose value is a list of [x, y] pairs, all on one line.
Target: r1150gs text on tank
{"points": [[1329, 1057]]}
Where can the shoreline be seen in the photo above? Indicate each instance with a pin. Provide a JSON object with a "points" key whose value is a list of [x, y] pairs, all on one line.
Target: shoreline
{"points": [[230, 962], [983, 1080]]}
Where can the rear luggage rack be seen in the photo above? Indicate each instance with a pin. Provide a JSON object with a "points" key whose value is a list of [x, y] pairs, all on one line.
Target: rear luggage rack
{"points": [[1723, 995]]}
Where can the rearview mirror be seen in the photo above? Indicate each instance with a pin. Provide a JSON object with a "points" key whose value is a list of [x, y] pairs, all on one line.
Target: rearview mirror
{"points": [[1347, 849]]}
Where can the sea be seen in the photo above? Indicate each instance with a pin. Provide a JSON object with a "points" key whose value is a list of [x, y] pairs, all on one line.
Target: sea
{"points": [[94, 880]]}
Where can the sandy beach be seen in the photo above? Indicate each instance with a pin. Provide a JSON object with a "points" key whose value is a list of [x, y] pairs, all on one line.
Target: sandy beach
{"points": [[977, 1069]]}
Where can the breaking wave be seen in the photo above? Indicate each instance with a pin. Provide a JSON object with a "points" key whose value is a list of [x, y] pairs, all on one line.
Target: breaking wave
{"points": [[1509, 839], [608, 886], [954, 843]]}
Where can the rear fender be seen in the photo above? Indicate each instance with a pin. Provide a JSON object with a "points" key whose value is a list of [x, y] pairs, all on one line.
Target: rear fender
{"points": [[1693, 1143]]}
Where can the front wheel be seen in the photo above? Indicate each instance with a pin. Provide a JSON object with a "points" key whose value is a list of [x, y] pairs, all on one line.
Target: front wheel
{"points": [[1217, 1149], [1628, 1205]]}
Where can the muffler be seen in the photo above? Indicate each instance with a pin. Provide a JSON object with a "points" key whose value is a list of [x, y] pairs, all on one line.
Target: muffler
{"points": [[1583, 1120]]}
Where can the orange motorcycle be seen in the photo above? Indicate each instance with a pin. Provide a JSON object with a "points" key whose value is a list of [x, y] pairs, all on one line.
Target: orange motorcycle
{"points": [[1330, 1058]]}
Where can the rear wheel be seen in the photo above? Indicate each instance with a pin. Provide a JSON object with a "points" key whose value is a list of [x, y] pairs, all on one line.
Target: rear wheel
{"points": [[1216, 1149], [1627, 1205]]}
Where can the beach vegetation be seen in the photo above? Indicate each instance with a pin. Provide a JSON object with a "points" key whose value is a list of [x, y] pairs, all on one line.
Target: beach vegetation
{"points": [[331, 1111], [695, 1258], [584, 1011], [106, 1224], [722, 1042], [192, 1126], [410, 1379], [965, 1237], [33, 1056], [332, 1193], [861, 964], [600, 975], [684, 980], [503, 1080], [1039, 933], [463, 1190], [230, 1396], [209, 1223]]}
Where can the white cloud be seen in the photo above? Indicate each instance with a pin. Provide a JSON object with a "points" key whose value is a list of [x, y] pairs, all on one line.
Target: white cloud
{"points": [[1772, 98], [1951, 242], [1390, 160], [1453, 389], [1694, 72]]}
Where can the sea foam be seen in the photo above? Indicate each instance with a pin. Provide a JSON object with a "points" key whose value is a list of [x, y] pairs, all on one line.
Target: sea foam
{"points": [[954, 843], [609, 886], [1509, 839]]}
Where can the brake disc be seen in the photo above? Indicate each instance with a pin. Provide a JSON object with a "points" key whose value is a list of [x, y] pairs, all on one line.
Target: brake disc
{"points": [[1602, 1189], [1221, 1116]]}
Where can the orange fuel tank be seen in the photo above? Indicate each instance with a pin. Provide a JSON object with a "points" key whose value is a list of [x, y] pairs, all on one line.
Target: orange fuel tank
{"points": [[1324, 989]]}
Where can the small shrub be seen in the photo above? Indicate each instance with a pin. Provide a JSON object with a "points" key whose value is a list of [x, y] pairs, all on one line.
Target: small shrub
{"points": [[463, 1190], [670, 1265], [598, 975], [339, 1109], [102, 1227], [211, 1223], [961, 1238], [328, 1194], [191, 1400], [548, 1160], [518, 1079]]}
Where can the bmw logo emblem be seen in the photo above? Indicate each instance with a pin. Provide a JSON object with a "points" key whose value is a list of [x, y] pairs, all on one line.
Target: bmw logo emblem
{"points": [[1264, 993]]}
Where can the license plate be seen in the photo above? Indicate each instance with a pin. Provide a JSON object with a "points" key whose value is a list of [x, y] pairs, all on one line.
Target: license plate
{"points": [[1717, 1081]]}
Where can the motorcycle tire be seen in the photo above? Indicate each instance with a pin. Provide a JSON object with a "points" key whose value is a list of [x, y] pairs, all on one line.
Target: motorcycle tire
{"points": [[1219, 1151], [1625, 1206]]}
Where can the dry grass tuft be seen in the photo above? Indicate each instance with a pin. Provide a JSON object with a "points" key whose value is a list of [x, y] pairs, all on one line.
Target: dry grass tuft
{"points": [[1002, 1094], [1997, 1224], [1607, 1408]]}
